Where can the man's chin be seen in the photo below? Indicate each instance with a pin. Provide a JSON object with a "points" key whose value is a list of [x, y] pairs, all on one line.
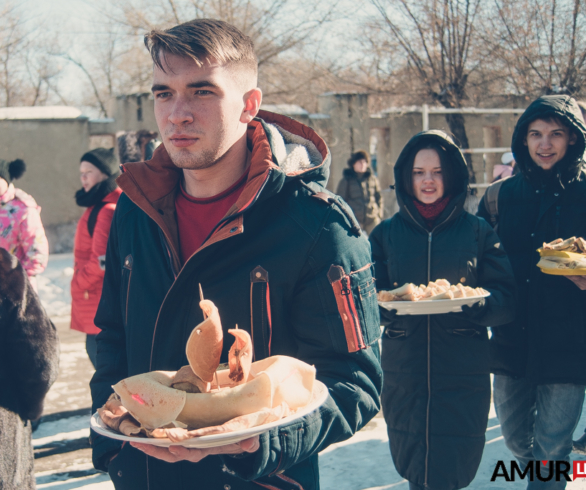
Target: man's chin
{"points": [[189, 161]]}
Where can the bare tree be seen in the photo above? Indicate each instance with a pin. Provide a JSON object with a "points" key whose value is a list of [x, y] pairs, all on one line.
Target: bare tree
{"points": [[541, 45], [280, 29], [438, 41]]}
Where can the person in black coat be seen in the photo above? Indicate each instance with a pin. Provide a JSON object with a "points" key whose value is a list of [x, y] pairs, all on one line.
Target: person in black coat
{"points": [[436, 388], [29, 357], [538, 359]]}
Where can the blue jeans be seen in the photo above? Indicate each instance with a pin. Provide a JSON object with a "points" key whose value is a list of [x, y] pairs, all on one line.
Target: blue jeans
{"points": [[538, 421]]}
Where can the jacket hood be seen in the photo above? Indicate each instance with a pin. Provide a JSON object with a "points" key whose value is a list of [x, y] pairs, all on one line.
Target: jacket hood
{"points": [[455, 158], [567, 110], [281, 150]]}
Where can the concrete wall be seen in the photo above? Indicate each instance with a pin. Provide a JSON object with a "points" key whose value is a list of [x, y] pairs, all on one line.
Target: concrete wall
{"points": [[52, 147], [51, 150]]}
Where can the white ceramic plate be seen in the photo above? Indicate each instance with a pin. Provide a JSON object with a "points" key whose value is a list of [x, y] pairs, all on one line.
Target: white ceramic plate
{"points": [[427, 307], [320, 394]]}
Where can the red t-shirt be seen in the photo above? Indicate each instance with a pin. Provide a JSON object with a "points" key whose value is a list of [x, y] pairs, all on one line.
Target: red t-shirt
{"points": [[196, 217]]}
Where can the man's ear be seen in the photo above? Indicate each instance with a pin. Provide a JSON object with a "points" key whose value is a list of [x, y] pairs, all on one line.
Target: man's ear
{"points": [[252, 101]]}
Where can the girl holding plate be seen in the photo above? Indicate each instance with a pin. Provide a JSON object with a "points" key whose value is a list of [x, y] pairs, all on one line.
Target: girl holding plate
{"points": [[436, 391]]}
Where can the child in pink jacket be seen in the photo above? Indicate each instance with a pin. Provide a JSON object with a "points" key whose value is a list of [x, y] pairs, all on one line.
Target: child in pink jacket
{"points": [[21, 230]]}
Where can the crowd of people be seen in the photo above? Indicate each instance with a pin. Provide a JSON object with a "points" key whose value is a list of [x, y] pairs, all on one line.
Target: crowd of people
{"points": [[234, 201]]}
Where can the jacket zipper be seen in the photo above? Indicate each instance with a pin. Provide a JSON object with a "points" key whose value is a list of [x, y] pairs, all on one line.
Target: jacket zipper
{"points": [[176, 275], [428, 409]]}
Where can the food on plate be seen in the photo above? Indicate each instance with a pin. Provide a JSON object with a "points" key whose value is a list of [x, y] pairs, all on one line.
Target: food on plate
{"points": [[440, 289], [201, 399], [575, 245], [557, 262]]}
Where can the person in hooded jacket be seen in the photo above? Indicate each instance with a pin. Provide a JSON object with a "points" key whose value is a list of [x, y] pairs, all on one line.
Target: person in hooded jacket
{"points": [[436, 388], [21, 230], [99, 194], [540, 373], [234, 201], [360, 188]]}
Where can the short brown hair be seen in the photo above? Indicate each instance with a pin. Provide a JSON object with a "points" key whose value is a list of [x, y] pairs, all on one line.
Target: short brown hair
{"points": [[202, 39]]}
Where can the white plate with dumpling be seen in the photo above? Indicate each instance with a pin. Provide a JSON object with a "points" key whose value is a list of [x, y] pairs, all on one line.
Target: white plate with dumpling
{"points": [[436, 298]]}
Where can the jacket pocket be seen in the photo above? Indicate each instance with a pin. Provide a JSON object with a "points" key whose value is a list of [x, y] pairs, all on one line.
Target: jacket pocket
{"points": [[355, 295], [125, 286], [395, 333], [261, 326]]}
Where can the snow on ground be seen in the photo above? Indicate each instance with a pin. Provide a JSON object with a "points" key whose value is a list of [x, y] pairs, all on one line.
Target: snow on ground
{"points": [[361, 463], [53, 285]]}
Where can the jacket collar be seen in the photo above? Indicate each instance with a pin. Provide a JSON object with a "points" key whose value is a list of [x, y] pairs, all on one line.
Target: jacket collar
{"points": [[275, 143]]}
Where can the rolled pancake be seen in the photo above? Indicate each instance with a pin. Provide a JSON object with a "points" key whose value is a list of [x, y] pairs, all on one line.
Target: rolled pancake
{"points": [[240, 356], [292, 379], [208, 409], [204, 346], [186, 380], [150, 399]]}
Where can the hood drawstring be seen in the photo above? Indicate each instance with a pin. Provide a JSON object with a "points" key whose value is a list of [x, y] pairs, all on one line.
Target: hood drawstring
{"points": [[331, 201]]}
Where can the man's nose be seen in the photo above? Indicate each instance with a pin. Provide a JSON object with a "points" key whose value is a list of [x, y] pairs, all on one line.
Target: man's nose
{"points": [[180, 113]]}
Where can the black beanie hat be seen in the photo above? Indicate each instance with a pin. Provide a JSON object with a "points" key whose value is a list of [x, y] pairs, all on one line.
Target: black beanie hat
{"points": [[104, 159], [12, 170], [359, 155]]}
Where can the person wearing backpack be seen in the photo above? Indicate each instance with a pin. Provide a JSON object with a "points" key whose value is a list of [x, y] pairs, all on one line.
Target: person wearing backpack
{"points": [[99, 194], [537, 359]]}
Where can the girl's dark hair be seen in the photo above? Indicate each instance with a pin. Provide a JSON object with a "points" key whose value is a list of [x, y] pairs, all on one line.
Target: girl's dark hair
{"points": [[448, 169]]}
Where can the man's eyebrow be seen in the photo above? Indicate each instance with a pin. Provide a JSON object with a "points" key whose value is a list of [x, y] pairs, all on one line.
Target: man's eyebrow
{"points": [[159, 87], [201, 84]]}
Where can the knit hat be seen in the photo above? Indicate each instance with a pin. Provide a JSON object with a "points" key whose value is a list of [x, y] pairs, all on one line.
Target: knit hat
{"points": [[10, 171], [359, 155], [104, 159]]}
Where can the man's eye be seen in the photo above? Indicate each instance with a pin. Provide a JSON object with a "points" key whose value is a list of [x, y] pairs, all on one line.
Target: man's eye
{"points": [[162, 95], [203, 92]]}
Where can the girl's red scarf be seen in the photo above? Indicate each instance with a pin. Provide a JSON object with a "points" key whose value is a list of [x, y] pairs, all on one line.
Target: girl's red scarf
{"points": [[430, 212]]}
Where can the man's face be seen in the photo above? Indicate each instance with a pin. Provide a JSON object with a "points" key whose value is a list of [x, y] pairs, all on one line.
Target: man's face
{"points": [[547, 142], [200, 111]]}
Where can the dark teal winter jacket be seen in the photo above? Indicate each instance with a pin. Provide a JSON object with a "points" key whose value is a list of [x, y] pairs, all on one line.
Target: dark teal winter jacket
{"points": [[436, 392], [315, 269]]}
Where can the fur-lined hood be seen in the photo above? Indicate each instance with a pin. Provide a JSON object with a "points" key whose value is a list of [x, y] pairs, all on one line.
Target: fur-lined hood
{"points": [[282, 150]]}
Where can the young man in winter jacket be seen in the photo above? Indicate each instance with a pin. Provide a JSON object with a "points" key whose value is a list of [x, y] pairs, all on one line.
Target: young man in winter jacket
{"points": [[235, 202], [540, 374]]}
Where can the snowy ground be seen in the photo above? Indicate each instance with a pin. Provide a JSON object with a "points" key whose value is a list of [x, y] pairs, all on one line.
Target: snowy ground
{"points": [[361, 463]]}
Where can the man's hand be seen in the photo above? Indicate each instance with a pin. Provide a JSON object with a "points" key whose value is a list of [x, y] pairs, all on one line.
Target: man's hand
{"points": [[172, 454], [579, 281]]}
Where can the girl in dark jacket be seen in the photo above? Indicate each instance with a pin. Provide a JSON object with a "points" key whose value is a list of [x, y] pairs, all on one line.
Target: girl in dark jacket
{"points": [[436, 392]]}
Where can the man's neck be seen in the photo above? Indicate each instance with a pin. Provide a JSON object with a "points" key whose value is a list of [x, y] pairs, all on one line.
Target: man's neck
{"points": [[209, 182]]}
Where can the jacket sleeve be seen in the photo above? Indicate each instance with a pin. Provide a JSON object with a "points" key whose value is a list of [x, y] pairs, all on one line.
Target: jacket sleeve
{"points": [[111, 360], [379, 257], [30, 343], [34, 242], [91, 274], [354, 379], [495, 274]]}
